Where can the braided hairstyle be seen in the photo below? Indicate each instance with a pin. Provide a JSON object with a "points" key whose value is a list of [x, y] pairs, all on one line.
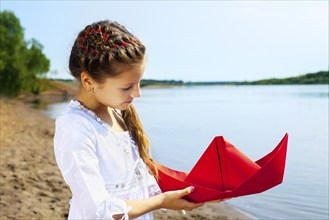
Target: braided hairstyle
{"points": [[104, 49]]}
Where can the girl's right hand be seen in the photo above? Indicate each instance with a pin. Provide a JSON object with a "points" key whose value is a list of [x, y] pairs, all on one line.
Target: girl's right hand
{"points": [[173, 200]]}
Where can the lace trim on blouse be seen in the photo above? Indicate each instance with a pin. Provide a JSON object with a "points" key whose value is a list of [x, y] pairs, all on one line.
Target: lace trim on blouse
{"points": [[78, 105]]}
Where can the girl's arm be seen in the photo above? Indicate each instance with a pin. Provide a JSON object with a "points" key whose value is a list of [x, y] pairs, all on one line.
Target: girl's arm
{"points": [[169, 200]]}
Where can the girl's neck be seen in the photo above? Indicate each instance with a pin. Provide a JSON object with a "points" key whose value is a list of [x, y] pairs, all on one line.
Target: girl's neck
{"points": [[89, 102], [105, 113]]}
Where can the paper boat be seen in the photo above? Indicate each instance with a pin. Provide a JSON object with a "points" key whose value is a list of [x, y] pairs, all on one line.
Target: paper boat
{"points": [[225, 172]]}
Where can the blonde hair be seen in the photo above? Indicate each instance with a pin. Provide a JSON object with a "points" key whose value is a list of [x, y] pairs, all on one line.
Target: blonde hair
{"points": [[136, 130]]}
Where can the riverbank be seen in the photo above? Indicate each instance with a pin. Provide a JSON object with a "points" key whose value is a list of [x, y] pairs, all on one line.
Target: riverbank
{"points": [[31, 186]]}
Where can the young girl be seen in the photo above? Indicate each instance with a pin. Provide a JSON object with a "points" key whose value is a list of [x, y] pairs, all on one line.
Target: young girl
{"points": [[100, 146]]}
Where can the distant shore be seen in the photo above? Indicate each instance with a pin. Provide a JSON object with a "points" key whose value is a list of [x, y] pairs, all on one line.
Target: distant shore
{"points": [[31, 185], [59, 90]]}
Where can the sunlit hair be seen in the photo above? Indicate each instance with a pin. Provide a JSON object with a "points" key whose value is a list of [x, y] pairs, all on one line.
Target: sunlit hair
{"points": [[105, 49]]}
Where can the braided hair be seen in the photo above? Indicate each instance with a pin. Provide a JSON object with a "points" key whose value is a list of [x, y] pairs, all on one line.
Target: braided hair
{"points": [[102, 49], [103, 46]]}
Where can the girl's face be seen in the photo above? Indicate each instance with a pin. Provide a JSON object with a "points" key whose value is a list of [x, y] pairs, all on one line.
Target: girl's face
{"points": [[119, 92]]}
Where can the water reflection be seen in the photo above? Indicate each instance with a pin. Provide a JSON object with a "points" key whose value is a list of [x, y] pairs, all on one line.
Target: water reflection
{"points": [[313, 94]]}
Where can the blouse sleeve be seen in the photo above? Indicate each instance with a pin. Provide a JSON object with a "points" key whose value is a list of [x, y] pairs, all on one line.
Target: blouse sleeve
{"points": [[75, 153], [153, 186]]}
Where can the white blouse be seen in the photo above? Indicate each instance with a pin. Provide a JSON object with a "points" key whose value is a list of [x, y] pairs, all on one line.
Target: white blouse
{"points": [[102, 167]]}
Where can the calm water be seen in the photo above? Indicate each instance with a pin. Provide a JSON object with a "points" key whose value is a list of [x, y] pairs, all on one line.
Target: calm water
{"points": [[182, 121]]}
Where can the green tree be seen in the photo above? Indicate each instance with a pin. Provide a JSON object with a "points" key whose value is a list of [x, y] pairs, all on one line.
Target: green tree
{"points": [[21, 63]]}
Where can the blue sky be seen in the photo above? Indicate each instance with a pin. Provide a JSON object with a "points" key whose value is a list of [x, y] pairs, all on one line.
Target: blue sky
{"points": [[193, 40]]}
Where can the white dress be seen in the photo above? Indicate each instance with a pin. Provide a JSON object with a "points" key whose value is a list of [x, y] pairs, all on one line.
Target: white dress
{"points": [[102, 167]]}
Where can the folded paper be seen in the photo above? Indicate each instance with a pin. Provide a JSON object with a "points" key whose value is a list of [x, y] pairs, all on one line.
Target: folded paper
{"points": [[225, 172]]}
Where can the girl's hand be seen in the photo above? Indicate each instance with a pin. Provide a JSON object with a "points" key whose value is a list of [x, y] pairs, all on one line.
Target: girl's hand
{"points": [[173, 200], [168, 200]]}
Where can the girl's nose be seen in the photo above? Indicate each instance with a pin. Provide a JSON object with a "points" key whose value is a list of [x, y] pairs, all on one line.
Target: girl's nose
{"points": [[136, 92]]}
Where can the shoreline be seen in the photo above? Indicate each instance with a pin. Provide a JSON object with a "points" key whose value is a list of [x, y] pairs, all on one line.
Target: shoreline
{"points": [[31, 185]]}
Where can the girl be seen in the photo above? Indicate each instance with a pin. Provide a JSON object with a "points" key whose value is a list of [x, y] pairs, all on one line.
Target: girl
{"points": [[100, 146]]}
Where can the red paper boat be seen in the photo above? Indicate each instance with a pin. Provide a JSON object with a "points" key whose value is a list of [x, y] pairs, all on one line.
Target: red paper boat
{"points": [[225, 172]]}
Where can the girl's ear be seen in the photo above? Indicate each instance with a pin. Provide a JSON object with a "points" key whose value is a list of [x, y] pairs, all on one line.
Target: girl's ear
{"points": [[87, 82]]}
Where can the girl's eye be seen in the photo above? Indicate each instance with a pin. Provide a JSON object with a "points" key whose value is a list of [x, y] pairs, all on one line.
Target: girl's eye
{"points": [[126, 89]]}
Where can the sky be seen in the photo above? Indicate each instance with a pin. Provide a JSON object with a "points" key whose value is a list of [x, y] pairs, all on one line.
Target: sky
{"points": [[192, 40]]}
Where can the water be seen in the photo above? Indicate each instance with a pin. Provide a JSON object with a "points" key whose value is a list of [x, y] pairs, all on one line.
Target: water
{"points": [[182, 121]]}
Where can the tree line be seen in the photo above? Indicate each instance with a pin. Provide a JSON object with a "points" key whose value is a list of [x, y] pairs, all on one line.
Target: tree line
{"points": [[22, 63], [321, 77]]}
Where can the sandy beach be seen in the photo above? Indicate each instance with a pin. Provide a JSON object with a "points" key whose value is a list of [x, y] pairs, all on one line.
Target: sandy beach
{"points": [[31, 186]]}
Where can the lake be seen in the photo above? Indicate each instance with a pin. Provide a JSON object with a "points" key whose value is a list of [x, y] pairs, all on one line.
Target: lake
{"points": [[182, 121]]}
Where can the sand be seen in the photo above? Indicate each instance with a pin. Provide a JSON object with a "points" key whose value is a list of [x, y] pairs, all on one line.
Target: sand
{"points": [[31, 185]]}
